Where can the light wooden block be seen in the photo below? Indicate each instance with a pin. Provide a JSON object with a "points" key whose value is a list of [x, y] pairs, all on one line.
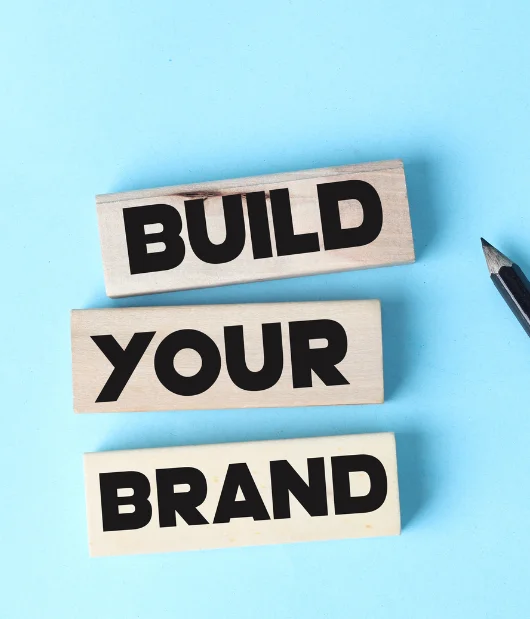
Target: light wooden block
{"points": [[279, 225], [227, 356], [241, 494]]}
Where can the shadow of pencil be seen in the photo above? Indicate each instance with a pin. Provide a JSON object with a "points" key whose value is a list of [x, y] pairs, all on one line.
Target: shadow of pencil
{"points": [[521, 258]]}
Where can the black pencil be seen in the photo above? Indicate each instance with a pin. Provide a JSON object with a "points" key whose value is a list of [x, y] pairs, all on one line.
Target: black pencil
{"points": [[511, 282]]}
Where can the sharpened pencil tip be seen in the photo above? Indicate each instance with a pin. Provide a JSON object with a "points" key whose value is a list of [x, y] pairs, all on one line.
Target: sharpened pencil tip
{"points": [[494, 259]]}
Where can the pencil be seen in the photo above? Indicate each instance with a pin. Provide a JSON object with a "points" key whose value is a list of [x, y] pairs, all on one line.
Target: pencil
{"points": [[511, 282]]}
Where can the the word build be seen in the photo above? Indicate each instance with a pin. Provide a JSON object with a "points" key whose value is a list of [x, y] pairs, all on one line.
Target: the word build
{"points": [[265, 227]]}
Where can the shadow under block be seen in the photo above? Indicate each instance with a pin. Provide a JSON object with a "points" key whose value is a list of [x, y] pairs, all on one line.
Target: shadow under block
{"points": [[241, 494], [227, 356], [253, 229]]}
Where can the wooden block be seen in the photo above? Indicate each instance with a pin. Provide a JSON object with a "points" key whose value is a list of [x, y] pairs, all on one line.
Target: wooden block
{"points": [[252, 229], [227, 356], [241, 494]]}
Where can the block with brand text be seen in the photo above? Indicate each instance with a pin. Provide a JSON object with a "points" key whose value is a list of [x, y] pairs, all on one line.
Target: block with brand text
{"points": [[258, 228], [241, 494], [227, 356]]}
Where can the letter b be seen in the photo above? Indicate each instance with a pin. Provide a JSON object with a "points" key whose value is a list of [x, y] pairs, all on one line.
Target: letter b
{"points": [[113, 519], [140, 259]]}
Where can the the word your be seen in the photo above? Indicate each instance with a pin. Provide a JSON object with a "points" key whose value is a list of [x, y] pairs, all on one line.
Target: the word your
{"points": [[304, 359]]}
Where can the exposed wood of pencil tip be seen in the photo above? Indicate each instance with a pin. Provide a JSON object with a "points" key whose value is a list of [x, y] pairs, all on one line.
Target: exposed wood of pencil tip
{"points": [[494, 259]]}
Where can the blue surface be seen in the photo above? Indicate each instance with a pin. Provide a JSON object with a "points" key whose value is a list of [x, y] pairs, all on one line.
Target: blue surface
{"points": [[109, 96]]}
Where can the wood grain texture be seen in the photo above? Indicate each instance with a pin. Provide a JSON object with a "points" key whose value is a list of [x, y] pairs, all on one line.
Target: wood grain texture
{"points": [[366, 464], [393, 245], [360, 363]]}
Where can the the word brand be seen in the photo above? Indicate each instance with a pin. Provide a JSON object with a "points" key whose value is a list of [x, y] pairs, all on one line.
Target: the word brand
{"points": [[156, 500]]}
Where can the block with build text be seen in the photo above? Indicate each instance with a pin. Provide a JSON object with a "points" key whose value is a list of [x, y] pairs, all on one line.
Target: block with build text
{"points": [[252, 229]]}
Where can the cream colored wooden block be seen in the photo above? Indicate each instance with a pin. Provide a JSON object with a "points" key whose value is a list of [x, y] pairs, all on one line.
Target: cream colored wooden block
{"points": [[227, 356], [251, 229], [241, 494]]}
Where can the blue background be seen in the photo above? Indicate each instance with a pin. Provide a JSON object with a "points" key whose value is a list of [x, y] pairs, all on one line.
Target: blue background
{"points": [[110, 96]]}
